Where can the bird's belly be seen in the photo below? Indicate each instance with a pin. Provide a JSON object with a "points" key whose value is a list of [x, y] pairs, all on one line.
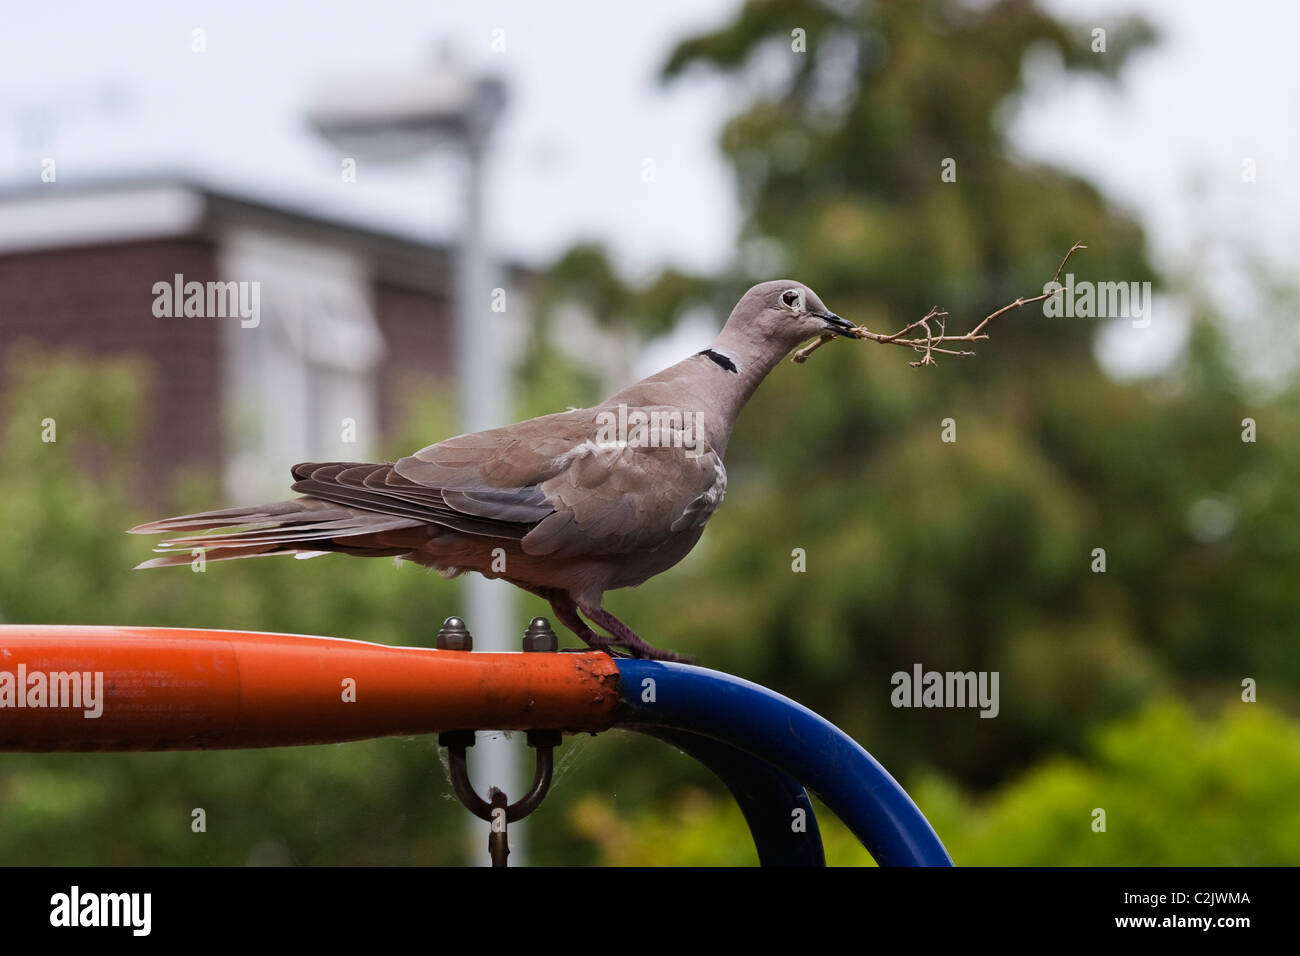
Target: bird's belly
{"points": [[454, 553], [638, 567]]}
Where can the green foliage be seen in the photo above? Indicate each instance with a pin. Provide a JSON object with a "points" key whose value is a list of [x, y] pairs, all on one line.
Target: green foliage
{"points": [[1176, 791], [584, 275]]}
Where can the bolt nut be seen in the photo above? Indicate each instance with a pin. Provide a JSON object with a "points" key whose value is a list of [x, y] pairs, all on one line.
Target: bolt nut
{"points": [[540, 637], [454, 636]]}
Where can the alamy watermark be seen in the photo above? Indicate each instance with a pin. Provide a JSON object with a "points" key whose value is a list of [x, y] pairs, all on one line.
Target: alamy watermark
{"points": [[208, 300], [75, 908], [922, 688], [75, 690], [1099, 300], [638, 428]]}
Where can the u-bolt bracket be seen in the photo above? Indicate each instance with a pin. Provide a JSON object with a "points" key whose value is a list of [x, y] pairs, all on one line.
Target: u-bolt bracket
{"points": [[495, 810]]}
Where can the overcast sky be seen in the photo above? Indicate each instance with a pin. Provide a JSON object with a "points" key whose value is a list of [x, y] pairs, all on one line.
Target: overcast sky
{"points": [[112, 89]]}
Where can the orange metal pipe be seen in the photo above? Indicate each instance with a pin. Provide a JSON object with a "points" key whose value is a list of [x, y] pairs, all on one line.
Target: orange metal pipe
{"points": [[184, 689]]}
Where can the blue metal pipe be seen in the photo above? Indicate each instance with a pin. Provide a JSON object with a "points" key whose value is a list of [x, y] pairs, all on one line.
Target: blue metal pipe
{"points": [[795, 740], [770, 800]]}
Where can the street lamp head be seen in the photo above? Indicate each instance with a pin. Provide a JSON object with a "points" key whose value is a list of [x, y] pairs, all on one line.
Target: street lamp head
{"points": [[397, 114]]}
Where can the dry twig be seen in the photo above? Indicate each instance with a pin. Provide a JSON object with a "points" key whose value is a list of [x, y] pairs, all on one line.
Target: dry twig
{"points": [[931, 344]]}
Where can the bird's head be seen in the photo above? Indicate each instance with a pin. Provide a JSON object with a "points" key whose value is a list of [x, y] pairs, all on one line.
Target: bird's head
{"points": [[787, 312]]}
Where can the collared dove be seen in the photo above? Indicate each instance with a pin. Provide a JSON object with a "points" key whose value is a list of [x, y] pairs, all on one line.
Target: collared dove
{"points": [[566, 506]]}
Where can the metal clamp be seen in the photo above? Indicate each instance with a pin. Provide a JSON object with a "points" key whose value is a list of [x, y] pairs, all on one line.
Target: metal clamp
{"points": [[496, 809]]}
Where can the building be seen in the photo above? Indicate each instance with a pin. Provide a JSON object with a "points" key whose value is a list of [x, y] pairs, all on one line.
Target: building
{"points": [[274, 335]]}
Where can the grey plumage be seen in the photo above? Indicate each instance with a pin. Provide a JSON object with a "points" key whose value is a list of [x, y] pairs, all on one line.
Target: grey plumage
{"points": [[580, 502]]}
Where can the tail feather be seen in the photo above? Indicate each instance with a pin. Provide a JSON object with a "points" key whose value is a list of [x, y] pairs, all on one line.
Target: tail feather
{"points": [[290, 535], [348, 508], [173, 558], [305, 527], [301, 509], [345, 523]]}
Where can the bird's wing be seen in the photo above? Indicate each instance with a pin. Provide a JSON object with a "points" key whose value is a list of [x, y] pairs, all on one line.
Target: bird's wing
{"points": [[557, 484], [616, 499], [381, 488], [579, 492]]}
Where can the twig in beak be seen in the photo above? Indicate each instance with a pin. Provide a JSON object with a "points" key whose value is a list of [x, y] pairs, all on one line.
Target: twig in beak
{"points": [[801, 356], [928, 346]]}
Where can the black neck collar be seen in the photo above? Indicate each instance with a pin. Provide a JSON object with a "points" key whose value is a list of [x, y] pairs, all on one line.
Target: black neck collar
{"points": [[720, 360]]}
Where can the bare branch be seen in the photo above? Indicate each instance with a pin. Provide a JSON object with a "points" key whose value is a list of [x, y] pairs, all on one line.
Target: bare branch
{"points": [[801, 355], [929, 346]]}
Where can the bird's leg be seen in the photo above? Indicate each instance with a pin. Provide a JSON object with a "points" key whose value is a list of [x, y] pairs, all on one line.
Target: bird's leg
{"points": [[626, 637], [567, 612]]}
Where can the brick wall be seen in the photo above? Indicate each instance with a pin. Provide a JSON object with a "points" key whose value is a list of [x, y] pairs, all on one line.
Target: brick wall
{"points": [[98, 301], [419, 336]]}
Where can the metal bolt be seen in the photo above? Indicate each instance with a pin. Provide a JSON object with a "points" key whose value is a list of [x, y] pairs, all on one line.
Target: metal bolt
{"points": [[540, 637], [454, 636], [498, 838]]}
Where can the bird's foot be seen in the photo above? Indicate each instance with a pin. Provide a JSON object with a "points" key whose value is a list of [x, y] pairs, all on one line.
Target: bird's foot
{"points": [[598, 642], [643, 651], [649, 652], [622, 635]]}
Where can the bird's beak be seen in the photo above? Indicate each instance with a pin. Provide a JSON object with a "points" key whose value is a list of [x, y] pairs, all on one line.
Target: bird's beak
{"points": [[835, 324]]}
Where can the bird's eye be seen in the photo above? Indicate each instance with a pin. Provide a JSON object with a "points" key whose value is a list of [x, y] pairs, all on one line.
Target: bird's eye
{"points": [[793, 298]]}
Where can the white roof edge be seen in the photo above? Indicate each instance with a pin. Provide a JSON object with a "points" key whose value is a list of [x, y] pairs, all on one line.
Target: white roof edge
{"points": [[33, 221]]}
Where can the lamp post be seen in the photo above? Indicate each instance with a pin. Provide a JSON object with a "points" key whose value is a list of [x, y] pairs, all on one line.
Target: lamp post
{"points": [[405, 115]]}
